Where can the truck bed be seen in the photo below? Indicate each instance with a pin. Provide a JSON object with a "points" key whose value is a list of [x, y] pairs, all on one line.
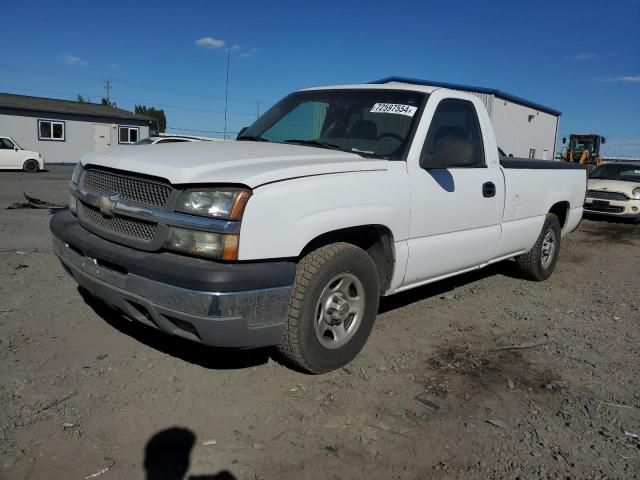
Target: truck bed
{"points": [[528, 164]]}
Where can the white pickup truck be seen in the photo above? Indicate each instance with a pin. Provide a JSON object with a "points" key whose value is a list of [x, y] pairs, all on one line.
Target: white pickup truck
{"points": [[289, 235]]}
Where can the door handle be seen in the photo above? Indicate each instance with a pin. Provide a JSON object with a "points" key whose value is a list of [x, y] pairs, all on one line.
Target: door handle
{"points": [[488, 189]]}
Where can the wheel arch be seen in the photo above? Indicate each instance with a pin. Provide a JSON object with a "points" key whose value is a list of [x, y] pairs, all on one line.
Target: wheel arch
{"points": [[376, 240], [561, 210]]}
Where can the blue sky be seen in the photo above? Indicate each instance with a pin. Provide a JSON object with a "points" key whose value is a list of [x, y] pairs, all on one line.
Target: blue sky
{"points": [[580, 57]]}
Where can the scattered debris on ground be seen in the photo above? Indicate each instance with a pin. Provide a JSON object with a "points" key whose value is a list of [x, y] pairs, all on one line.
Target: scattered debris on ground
{"points": [[33, 202]]}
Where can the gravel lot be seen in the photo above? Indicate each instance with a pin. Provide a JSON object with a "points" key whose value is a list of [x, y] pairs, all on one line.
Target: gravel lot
{"points": [[87, 394]]}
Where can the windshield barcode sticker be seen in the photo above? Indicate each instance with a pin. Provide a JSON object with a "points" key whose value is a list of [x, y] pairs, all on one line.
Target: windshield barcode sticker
{"points": [[396, 108]]}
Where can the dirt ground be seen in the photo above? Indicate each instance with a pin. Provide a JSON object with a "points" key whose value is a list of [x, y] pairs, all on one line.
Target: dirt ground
{"points": [[513, 379]]}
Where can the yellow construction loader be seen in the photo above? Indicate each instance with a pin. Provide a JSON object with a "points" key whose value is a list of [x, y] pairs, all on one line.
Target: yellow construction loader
{"points": [[583, 149]]}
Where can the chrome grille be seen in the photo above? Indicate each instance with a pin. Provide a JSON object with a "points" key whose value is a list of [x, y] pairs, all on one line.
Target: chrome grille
{"points": [[129, 227], [128, 188], [601, 194]]}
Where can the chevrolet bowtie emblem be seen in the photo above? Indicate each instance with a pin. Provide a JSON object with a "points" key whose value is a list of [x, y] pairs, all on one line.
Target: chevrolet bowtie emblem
{"points": [[107, 204]]}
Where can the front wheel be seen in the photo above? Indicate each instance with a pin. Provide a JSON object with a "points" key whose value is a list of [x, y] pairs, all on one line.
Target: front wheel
{"points": [[332, 309], [538, 264], [31, 166]]}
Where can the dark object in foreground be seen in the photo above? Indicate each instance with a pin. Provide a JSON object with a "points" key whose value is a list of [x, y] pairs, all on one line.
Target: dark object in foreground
{"points": [[167, 457]]}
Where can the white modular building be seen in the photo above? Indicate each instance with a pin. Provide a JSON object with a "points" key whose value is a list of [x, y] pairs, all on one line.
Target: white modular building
{"points": [[64, 130], [523, 128]]}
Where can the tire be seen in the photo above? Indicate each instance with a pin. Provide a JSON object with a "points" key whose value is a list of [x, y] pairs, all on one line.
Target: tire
{"points": [[321, 334], [31, 166], [538, 264]]}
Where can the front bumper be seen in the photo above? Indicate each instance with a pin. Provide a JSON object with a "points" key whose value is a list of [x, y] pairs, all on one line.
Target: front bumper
{"points": [[225, 305], [615, 208]]}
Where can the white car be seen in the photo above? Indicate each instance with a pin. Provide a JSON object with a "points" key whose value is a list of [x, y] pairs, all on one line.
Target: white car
{"points": [[614, 190], [169, 139], [289, 235], [13, 156]]}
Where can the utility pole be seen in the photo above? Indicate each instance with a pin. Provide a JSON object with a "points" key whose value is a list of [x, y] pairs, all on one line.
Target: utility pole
{"points": [[107, 87], [226, 93]]}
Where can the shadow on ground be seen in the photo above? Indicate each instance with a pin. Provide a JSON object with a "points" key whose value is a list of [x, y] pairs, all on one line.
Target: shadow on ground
{"points": [[231, 359], [167, 457], [400, 300]]}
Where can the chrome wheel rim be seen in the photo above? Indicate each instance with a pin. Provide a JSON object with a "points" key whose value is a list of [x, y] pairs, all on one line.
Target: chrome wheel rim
{"points": [[339, 310], [548, 249]]}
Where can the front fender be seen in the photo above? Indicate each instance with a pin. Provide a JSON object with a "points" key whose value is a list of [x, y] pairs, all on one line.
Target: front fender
{"points": [[282, 218]]}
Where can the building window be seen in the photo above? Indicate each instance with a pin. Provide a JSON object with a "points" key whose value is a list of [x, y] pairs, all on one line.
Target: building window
{"points": [[51, 130], [128, 134]]}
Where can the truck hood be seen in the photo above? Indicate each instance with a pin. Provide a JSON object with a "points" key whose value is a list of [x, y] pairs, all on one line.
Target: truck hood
{"points": [[612, 185], [248, 163]]}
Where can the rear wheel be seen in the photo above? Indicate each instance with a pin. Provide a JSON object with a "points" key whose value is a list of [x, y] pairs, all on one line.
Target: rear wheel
{"points": [[31, 166], [538, 264], [332, 310]]}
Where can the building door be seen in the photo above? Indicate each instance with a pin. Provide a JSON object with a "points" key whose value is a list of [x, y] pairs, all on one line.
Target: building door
{"points": [[101, 136]]}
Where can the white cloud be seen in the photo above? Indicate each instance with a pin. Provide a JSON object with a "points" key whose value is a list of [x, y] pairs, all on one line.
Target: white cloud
{"points": [[73, 60], [209, 42], [624, 78], [235, 47], [584, 56], [113, 66]]}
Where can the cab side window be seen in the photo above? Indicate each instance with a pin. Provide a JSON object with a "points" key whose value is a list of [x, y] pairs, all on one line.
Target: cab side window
{"points": [[454, 138]]}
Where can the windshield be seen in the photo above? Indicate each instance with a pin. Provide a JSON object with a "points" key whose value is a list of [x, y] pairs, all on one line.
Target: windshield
{"points": [[16, 144], [610, 171], [579, 144], [376, 123]]}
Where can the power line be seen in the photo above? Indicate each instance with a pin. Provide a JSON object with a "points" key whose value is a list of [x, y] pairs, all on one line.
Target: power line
{"points": [[137, 101], [117, 81]]}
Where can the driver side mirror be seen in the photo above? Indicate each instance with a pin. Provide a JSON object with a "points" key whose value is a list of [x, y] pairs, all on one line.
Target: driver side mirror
{"points": [[15, 148], [451, 153], [242, 130]]}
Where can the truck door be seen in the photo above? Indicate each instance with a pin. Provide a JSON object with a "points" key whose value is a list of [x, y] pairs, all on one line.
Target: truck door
{"points": [[454, 209]]}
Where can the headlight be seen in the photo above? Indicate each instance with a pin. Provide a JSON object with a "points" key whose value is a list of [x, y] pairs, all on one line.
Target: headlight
{"points": [[635, 193], [213, 245], [227, 204], [75, 176]]}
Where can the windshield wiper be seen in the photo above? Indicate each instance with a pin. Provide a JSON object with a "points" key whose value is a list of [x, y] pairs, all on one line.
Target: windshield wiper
{"points": [[252, 138], [315, 143], [331, 146]]}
